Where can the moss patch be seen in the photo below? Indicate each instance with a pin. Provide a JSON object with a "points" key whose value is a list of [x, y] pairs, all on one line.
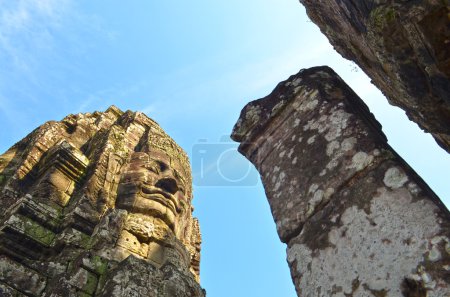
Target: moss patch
{"points": [[91, 283], [32, 229], [99, 264], [2, 180], [382, 16]]}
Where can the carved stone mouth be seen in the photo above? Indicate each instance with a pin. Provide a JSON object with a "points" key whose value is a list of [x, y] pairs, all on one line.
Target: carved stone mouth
{"points": [[164, 198]]}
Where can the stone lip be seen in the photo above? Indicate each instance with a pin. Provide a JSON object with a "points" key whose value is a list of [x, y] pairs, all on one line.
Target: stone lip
{"points": [[258, 114], [403, 46]]}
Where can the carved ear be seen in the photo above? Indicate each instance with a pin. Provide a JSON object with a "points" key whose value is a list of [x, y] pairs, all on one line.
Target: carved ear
{"points": [[195, 247], [58, 173]]}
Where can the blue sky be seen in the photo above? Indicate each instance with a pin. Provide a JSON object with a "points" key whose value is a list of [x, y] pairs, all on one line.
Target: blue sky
{"points": [[191, 66]]}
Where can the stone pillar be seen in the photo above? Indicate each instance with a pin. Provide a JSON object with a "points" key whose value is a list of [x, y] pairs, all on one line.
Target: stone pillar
{"points": [[357, 220]]}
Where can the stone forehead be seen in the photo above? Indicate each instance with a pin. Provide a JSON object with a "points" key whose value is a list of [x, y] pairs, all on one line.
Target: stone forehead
{"points": [[142, 159]]}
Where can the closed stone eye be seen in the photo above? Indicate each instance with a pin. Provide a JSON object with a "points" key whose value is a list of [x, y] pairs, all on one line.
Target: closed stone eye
{"points": [[153, 167]]}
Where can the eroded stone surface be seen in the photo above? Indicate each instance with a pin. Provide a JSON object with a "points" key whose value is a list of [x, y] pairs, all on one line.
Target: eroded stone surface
{"points": [[98, 205], [357, 219], [404, 47]]}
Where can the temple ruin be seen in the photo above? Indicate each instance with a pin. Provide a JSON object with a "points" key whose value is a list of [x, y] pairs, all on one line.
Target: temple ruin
{"points": [[98, 205]]}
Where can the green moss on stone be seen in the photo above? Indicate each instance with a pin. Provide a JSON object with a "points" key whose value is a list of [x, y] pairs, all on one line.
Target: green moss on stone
{"points": [[91, 283], [31, 229], [382, 16], [37, 232], [101, 282], [99, 264], [85, 240]]}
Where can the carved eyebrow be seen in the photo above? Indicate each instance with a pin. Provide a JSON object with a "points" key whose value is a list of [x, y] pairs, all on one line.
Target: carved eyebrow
{"points": [[156, 166]]}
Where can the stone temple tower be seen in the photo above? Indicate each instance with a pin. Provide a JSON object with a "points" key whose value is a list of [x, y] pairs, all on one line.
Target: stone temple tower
{"points": [[98, 204]]}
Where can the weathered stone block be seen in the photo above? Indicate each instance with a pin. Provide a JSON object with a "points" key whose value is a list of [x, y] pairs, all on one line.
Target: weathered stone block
{"points": [[30, 229], [23, 279]]}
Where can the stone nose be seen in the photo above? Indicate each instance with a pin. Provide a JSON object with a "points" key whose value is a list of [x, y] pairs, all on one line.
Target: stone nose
{"points": [[168, 185]]}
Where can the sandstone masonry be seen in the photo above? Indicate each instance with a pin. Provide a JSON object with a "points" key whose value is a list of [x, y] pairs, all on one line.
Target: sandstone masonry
{"points": [[98, 204], [358, 221], [403, 46]]}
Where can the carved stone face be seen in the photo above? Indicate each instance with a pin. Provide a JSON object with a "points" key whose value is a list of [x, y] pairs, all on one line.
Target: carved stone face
{"points": [[153, 185], [112, 198]]}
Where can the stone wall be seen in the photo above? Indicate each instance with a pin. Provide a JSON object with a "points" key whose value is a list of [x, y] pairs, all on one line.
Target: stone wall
{"points": [[357, 220], [403, 46]]}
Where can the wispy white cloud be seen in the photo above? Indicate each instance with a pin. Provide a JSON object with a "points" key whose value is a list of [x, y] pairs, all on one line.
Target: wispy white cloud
{"points": [[25, 30], [184, 96], [101, 99], [29, 24], [149, 109], [21, 13], [40, 43]]}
